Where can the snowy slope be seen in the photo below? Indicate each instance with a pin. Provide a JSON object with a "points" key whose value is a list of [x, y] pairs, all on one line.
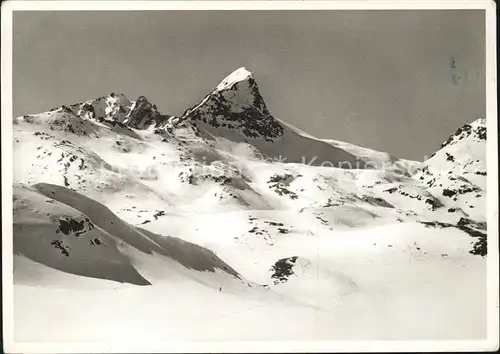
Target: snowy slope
{"points": [[457, 172], [245, 218], [68, 231]]}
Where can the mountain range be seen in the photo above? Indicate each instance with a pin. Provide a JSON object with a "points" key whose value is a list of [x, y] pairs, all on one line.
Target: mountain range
{"points": [[258, 226]]}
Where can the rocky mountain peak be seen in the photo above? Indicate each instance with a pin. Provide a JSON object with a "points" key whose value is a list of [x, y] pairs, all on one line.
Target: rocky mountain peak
{"points": [[236, 76], [116, 108], [236, 104], [144, 114], [476, 130]]}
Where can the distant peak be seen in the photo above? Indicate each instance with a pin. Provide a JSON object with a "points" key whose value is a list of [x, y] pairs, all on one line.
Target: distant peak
{"points": [[117, 95], [477, 129], [238, 75], [479, 122]]}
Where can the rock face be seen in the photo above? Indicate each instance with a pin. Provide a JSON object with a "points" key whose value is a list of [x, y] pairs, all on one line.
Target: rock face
{"points": [[476, 130], [114, 106], [237, 104], [116, 109], [144, 114], [283, 269]]}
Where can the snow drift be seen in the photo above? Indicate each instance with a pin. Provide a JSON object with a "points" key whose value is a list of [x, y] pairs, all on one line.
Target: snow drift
{"points": [[70, 232]]}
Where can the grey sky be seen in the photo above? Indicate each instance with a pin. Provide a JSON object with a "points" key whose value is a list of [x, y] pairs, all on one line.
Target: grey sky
{"points": [[395, 81]]}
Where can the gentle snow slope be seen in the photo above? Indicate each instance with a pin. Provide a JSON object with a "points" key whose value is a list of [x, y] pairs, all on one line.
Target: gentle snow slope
{"points": [[68, 231]]}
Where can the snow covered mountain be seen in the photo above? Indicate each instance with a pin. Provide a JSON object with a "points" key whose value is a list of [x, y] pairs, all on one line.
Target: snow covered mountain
{"points": [[235, 110], [236, 206], [457, 171]]}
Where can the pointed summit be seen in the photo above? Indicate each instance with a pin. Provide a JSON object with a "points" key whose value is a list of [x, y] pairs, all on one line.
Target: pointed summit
{"points": [[238, 75], [236, 104]]}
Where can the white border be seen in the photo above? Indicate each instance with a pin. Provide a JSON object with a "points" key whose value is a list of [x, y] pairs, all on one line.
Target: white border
{"points": [[110, 5], [491, 344], [492, 177]]}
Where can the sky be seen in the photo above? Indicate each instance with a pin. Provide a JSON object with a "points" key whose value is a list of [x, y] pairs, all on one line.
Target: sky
{"points": [[394, 81]]}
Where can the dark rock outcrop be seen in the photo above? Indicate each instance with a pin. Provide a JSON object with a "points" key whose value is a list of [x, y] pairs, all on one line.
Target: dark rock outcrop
{"points": [[144, 114], [238, 106]]}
